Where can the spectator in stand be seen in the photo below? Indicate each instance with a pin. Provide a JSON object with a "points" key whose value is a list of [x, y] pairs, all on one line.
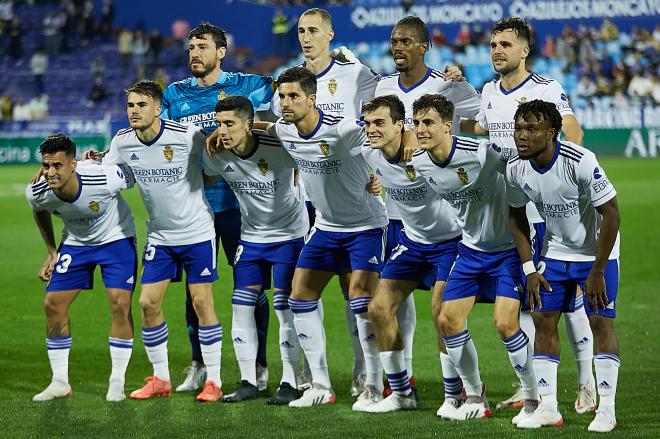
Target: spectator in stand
{"points": [[619, 101], [98, 93], [21, 111], [463, 37], [619, 83], [39, 65], [69, 36], [438, 38], [139, 49], [53, 23], [6, 16], [15, 32], [97, 67], [586, 87], [155, 47], [608, 31], [6, 108], [603, 85], [107, 18], [641, 85], [87, 22], [656, 90], [38, 106], [548, 49], [125, 48]]}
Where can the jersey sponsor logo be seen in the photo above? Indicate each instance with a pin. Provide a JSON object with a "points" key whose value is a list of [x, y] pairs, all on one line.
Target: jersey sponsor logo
{"points": [[463, 175], [336, 107], [597, 173], [228, 168], [94, 206], [559, 210], [262, 166], [205, 120], [168, 152], [159, 175], [205, 272], [563, 97], [410, 173], [222, 95], [461, 198], [332, 87], [325, 167], [325, 148], [255, 187], [600, 186], [292, 146], [407, 195], [134, 157]]}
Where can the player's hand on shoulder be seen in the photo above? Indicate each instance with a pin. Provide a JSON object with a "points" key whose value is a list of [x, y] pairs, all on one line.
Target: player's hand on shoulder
{"points": [[47, 267], [410, 145], [534, 283], [90, 154], [343, 54], [453, 73], [373, 187], [596, 291], [213, 143]]}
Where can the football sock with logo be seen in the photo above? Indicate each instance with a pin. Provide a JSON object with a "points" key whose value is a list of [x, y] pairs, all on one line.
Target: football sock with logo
{"points": [[607, 376], [192, 323], [58, 355], [210, 339], [463, 354], [374, 370], [406, 315], [520, 356], [155, 343], [120, 355], [579, 334], [394, 364], [244, 332], [358, 355], [262, 318], [289, 346], [545, 368], [311, 335], [452, 380]]}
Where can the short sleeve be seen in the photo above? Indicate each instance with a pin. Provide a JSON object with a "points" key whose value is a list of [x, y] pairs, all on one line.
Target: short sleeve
{"points": [[112, 157], [198, 139], [119, 177], [497, 156], [367, 80], [466, 100], [30, 193], [481, 115], [165, 104], [592, 178], [212, 165], [352, 134], [555, 93], [514, 193], [262, 90]]}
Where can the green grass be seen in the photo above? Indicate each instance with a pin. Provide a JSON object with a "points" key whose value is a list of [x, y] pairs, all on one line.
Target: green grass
{"points": [[24, 368]]}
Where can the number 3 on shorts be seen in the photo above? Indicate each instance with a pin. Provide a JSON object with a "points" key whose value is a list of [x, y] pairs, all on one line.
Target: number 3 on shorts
{"points": [[63, 263]]}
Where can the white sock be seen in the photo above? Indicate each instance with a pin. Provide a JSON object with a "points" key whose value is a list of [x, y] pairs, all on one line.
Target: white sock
{"points": [[289, 345], [311, 335], [607, 376], [358, 355], [394, 364], [120, 355], [520, 356], [463, 354], [374, 369], [244, 332], [406, 315], [452, 381], [210, 340], [155, 343], [545, 368], [527, 325], [58, 355], [581, 338]]}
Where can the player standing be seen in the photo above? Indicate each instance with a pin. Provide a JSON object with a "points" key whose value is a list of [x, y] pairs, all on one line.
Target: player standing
{"points": [[192, 101], [98, 231], [274, 222], [578, 204], [500, 98], [469, 175], [165, 158], [409, 43]]}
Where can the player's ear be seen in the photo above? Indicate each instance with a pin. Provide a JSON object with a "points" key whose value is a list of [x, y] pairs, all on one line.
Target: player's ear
{"points": [[249, 124], [159, 110], [448, 125], [74, 164], [221, 52], [331, 35]]}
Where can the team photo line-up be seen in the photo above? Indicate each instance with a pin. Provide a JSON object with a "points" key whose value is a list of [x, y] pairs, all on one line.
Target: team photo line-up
{"points": [[518, 215]]}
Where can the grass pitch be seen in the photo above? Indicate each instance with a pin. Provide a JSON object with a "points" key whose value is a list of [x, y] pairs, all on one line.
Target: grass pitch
{"points": [[24, 368]]}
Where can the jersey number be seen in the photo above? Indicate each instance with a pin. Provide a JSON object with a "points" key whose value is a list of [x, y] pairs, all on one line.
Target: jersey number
{"points": [[149, 252], [397, 251], [239, 252], [64, 262]]}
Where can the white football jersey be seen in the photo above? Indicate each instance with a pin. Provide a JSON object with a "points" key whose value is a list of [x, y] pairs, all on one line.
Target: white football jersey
{"points": [[427, 217], [98, 214], [471, 179], [272, 209], [498, 106], [168, 172], [465, 98], [566, 193], [335, 173], [341, 89]]}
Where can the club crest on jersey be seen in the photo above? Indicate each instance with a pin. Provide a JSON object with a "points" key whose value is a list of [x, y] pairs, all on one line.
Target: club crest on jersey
{"points": [[262, 166], [463, 175], [325, 148], [222, 95], [94, 206], [332, 86], [521, 100], [168, 152], [410, 173]]}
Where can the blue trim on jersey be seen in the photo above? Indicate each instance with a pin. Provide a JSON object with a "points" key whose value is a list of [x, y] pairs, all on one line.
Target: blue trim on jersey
{"points": [[222, 77], [155, 139], [318, 125], [415, 85], [332, 63], [552, 161], [516, 87], [75, 197], [449, 157]]}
